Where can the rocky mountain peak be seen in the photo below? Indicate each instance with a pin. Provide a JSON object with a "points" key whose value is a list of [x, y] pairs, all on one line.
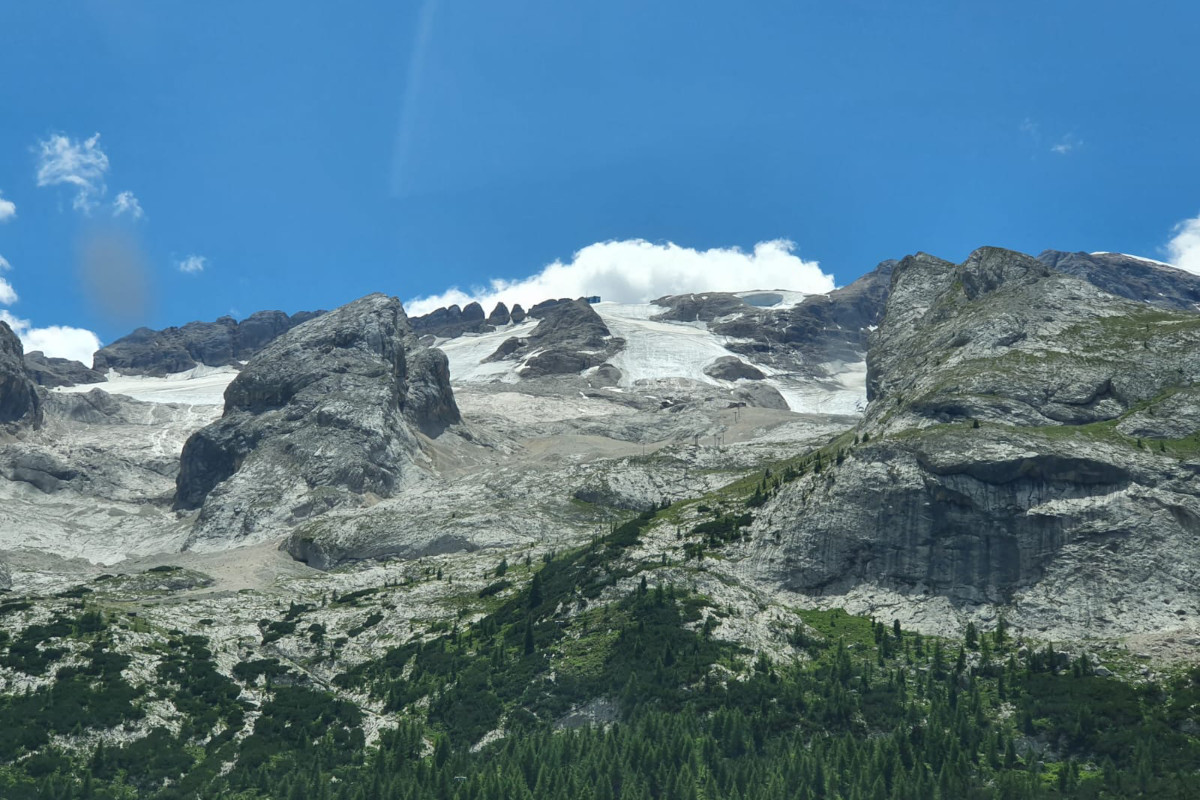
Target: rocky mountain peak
{"points": [[1128, 276], [219, 343], [326, 415], [988, 268], [1001, 456]]}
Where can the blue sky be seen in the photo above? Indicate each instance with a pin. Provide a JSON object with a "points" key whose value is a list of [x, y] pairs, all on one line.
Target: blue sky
{"points": [[299, 155]]}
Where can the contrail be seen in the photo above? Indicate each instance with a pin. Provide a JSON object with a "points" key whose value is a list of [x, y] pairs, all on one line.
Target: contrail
{"points": [[412, 86]]}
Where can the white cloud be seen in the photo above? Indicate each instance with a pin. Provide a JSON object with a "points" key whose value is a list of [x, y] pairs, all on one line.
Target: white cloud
{"points": [[1184, 248], [637, 271], [74, 162], [56, 341], [192, 264], [8, 209], [8, 295], [1066, 144], [127, 203]]}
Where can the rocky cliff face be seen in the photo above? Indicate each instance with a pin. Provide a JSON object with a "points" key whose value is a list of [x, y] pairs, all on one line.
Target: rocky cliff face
{"points": [[1130, 277], [327, 415], [1001, 461], [216, 344], [570, 337], [20, 405], [821, 329], [50, 372]]}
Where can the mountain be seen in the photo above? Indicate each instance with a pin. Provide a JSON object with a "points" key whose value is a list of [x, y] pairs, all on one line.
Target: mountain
{"points": [[1030, 442], [213, 344], [20, 404], [1131, 277], [396, 557], [327, 414]]}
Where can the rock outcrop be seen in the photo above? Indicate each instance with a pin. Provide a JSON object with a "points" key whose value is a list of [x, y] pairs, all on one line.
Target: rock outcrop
{"points": [[20, 405], [704, 307], [325, 416], [499, 316], [569, 338], [51, 372], [216, 344], [996, 466], [732, 368], [1130, 277], [452, 322]]}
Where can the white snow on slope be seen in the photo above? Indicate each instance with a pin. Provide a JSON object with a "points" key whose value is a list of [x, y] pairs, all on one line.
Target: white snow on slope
{"points": [[199, 386], [656, 349], [1136, 258], [467, 352], [773, 298], [667, 349]]}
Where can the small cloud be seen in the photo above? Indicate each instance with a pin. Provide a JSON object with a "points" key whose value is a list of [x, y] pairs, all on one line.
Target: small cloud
{"points": [[8, 209], [127, 203], [56, 341], [8, 295], [81, 164], [192, 264], [1183, 250], [1066, 144], [637, 271], [1031, 129]]}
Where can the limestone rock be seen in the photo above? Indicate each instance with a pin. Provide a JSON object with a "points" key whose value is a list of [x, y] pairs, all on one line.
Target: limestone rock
{"points": [[704, 307], [20, 405], [1131, 278], [223, 342], [451, 322], [52, 372], [570, 337], [992, 471], [327, 415], [732, 368], [499, 316]]}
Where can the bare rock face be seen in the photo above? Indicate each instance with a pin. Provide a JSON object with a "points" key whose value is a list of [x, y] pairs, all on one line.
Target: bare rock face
{"points": [[570, 337], [700, 307], [327, 415], [50, 372], [220, 343], [732, 368], [1130, 277], [1001, 461], [20, 405], [499, 316]]}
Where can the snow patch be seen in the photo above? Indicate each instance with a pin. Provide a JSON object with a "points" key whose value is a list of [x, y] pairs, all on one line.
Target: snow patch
{"points": [[467, 352], [1135, 258], [200, 386]]}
